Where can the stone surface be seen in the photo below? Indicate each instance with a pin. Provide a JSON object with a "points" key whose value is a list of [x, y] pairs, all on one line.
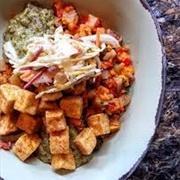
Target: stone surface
{"points": [[162, 162]]}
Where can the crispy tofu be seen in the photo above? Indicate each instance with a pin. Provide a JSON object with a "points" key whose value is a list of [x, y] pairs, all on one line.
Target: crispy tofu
{"points": [[7, 124], [86, 141], [6, 107], [63, 161], [54, 120], [79, 88], [72, 106], [9, 91], [15, 80], [99, 123], [25, 102], [26, 145], [46, 105], [51, 96], [59, 142], [28, 123]]}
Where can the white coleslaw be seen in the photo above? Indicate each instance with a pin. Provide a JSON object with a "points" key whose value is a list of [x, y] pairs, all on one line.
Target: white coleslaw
{"points": [[78, 58]]}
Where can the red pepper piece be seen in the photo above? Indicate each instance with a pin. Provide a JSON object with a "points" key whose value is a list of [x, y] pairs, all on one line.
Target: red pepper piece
{"points": [[127, 61]]}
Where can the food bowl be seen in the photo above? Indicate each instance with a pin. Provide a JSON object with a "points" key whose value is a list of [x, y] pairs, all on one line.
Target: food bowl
{"points": [[119, 156]]}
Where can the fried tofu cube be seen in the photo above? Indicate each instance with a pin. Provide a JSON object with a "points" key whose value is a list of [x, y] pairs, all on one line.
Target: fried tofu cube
{"points": [[9, 91], [99, 123], [47, 105], [63, 161], [54, 120], [72, 106], [26, 145], [59, 142], [7, 124], [51, 96], [6, 107], [15, 80], [79, 88], [28, 123], [86, 141], [25, 102]]}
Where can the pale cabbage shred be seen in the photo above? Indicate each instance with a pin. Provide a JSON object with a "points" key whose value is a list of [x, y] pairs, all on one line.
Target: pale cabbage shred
{"points": [[62, 50]]}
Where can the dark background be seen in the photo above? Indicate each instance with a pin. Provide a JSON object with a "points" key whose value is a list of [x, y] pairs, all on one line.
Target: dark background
{"points": [[162, 162]]}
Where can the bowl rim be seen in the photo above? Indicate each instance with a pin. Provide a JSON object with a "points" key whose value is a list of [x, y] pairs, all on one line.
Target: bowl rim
{"points": [[162, 94]]}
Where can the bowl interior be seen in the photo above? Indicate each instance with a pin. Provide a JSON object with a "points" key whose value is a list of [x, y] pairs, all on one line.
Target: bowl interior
{"points": [[118, 155]]}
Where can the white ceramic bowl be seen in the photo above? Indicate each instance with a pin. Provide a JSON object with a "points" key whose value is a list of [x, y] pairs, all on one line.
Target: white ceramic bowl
{"points": [[121, 154]]}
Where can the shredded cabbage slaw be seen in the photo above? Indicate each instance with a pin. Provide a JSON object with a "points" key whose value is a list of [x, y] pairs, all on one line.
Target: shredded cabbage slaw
{"points": [[77, 57]]}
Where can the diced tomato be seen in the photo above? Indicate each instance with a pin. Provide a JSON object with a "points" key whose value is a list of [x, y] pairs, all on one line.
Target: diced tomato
{"points": [[127, 61], [114, 105], [57, 4], [114, 91], [68, 8], [110, 83], [121, 50], [58, 8], [112, 72], [106, 64], [102, 90], [5, 145], [84, 18], [103, 93], [59, 13]]}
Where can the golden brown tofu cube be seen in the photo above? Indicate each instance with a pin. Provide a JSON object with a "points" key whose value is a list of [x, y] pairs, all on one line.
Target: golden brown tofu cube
{"points": [[7, 124], [15, 80], [54, 120], [51, 96], [46, 105], [72, 106], [63, 161], [26, 102], [9, 91], [86, 141], [114, 123], [28, 123], [26, 145], [79, 88], [99, 123], [59, 142], [6, 107]]}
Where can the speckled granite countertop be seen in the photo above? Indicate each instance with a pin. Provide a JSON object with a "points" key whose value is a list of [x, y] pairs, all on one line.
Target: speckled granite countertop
{"points": [[162, 162]]}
